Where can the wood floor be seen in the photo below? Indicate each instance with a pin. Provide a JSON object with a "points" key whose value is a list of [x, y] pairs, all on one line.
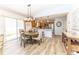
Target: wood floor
{"points": [[49, 46]]}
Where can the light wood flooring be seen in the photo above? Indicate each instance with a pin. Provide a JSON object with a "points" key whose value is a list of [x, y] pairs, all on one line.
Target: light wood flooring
{"points": [[49, 46]]}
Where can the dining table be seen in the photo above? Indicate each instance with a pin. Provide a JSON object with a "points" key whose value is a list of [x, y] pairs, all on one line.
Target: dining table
{"points": [[31, 35]]}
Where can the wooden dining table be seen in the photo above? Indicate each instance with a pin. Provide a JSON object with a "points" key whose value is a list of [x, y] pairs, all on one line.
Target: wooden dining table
{"points": [[31, 35]]}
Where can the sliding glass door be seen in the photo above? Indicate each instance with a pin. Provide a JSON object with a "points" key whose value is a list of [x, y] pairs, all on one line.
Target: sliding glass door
{"points": [[10, 29], [20, 26]]}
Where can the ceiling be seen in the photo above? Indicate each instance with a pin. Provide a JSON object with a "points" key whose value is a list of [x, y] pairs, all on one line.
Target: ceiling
{"points": [[38, 7]]}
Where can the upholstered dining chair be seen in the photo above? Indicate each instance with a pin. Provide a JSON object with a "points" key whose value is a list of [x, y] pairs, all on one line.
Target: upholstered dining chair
{"points": [[23, 38], [39, 37]]}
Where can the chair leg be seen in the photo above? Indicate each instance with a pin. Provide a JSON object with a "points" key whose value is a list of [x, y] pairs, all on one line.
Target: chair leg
{"points": [[32, 42], [24, 44], [39, 42], [21, 43]]}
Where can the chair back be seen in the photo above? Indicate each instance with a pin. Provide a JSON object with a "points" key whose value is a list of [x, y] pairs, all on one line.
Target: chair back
{"points": [[22, 34], [40, 33]]}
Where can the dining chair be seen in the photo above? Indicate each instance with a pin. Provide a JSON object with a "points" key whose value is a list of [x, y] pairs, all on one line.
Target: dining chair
{"points": [[23, 38], [39, 37]]}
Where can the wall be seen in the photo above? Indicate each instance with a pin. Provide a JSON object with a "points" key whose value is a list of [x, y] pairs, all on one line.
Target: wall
{"points": [[58, 17], [59, 30]]}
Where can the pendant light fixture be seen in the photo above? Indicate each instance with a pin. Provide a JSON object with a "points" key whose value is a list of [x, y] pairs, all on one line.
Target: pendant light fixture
{"points": [[29, 17]]}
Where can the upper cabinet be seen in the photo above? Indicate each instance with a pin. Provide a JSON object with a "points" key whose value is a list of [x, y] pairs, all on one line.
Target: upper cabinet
{"points": [[34, 23], [45, 22]]}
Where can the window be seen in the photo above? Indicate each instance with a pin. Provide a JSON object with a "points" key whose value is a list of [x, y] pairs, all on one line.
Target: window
{"points": [[10, 28], [20, 25]]}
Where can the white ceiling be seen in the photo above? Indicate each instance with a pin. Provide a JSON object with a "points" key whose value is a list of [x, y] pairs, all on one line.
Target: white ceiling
{"points": [[38, 7], [22, 9]]}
